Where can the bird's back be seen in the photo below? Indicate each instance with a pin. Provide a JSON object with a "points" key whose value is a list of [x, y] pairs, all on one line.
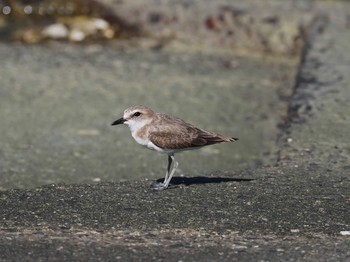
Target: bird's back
{"points": [[174, 133]]}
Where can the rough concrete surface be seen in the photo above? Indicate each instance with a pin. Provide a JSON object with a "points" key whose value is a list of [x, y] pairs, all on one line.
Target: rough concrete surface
{"points": [[75, 189], [318, 111]]}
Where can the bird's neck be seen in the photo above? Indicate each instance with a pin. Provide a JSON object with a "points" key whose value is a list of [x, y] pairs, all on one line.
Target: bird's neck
{"points": [[138, 126]]}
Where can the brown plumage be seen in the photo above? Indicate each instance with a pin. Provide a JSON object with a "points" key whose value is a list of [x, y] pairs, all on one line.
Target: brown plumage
{"points": [[170, 132]]}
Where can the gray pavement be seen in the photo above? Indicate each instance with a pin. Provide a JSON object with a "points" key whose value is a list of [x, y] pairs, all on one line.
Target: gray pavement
{"points": [[75, 189], [319, 115]]}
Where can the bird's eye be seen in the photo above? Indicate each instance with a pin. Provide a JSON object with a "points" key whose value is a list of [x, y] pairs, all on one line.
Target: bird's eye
{"points": [[137, 114]]}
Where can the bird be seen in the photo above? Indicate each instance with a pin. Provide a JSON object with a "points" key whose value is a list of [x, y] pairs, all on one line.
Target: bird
{"points": [[166, 134]]}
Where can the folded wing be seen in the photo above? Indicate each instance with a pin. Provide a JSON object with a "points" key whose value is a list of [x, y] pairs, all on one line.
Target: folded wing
{"points": [[177, 134]]}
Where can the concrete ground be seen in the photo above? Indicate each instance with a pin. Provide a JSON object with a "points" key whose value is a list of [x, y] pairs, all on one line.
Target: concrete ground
{"points": [[75, 189]]}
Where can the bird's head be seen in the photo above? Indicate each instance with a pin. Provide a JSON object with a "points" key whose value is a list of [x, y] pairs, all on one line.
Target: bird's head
{"points": [[135, 117]]}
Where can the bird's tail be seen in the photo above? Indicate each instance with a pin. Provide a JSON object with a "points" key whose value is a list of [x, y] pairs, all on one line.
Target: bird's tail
{"points": [[216, 138]]}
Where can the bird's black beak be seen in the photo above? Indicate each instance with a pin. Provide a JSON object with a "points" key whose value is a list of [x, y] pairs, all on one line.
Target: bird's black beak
{"points": [[118, 122]]}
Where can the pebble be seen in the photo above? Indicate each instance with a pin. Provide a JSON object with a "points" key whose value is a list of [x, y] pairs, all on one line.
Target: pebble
{"points": [[345, 233], [56, 31], [76, 35]]}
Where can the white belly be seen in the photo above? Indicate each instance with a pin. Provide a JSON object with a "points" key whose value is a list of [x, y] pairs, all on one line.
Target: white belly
{"points": [[147, 143]]}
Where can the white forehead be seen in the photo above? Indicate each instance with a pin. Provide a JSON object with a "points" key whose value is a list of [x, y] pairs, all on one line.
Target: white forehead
{"points": [[131, 110], [128, 112]]}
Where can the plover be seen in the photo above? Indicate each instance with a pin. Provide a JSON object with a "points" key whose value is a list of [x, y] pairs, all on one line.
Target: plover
{"points": [[168, 135]]}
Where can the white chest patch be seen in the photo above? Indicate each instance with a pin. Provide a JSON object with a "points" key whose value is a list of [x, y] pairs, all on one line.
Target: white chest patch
{"points": [[140, 140]]}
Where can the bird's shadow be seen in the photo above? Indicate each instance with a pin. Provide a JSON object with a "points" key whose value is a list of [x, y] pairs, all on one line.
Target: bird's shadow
{"points": [[187, 181]]}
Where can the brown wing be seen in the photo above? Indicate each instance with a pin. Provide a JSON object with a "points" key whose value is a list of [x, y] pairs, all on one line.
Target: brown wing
{"points": [[176, 138], [173, 133]]}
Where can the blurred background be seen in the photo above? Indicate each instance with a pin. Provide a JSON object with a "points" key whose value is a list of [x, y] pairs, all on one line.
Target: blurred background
{"points": [[70, 67]]}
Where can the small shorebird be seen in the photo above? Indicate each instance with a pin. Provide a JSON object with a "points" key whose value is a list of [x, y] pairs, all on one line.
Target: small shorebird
{"points": [[166, 134]]}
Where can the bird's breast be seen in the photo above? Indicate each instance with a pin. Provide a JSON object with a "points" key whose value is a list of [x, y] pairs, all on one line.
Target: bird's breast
{"points": [[142, 140]]}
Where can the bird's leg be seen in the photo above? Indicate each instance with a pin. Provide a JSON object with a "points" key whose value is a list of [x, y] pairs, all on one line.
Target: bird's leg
{"points": [[172, 165], [168, 169], [173, 169]]}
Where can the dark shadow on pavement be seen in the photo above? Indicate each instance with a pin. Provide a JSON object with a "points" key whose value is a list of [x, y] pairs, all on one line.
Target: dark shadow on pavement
{"points": [[187, 181]]}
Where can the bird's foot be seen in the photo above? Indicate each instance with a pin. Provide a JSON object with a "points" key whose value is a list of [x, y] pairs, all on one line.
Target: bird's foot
{"points": [[158, 186]]}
